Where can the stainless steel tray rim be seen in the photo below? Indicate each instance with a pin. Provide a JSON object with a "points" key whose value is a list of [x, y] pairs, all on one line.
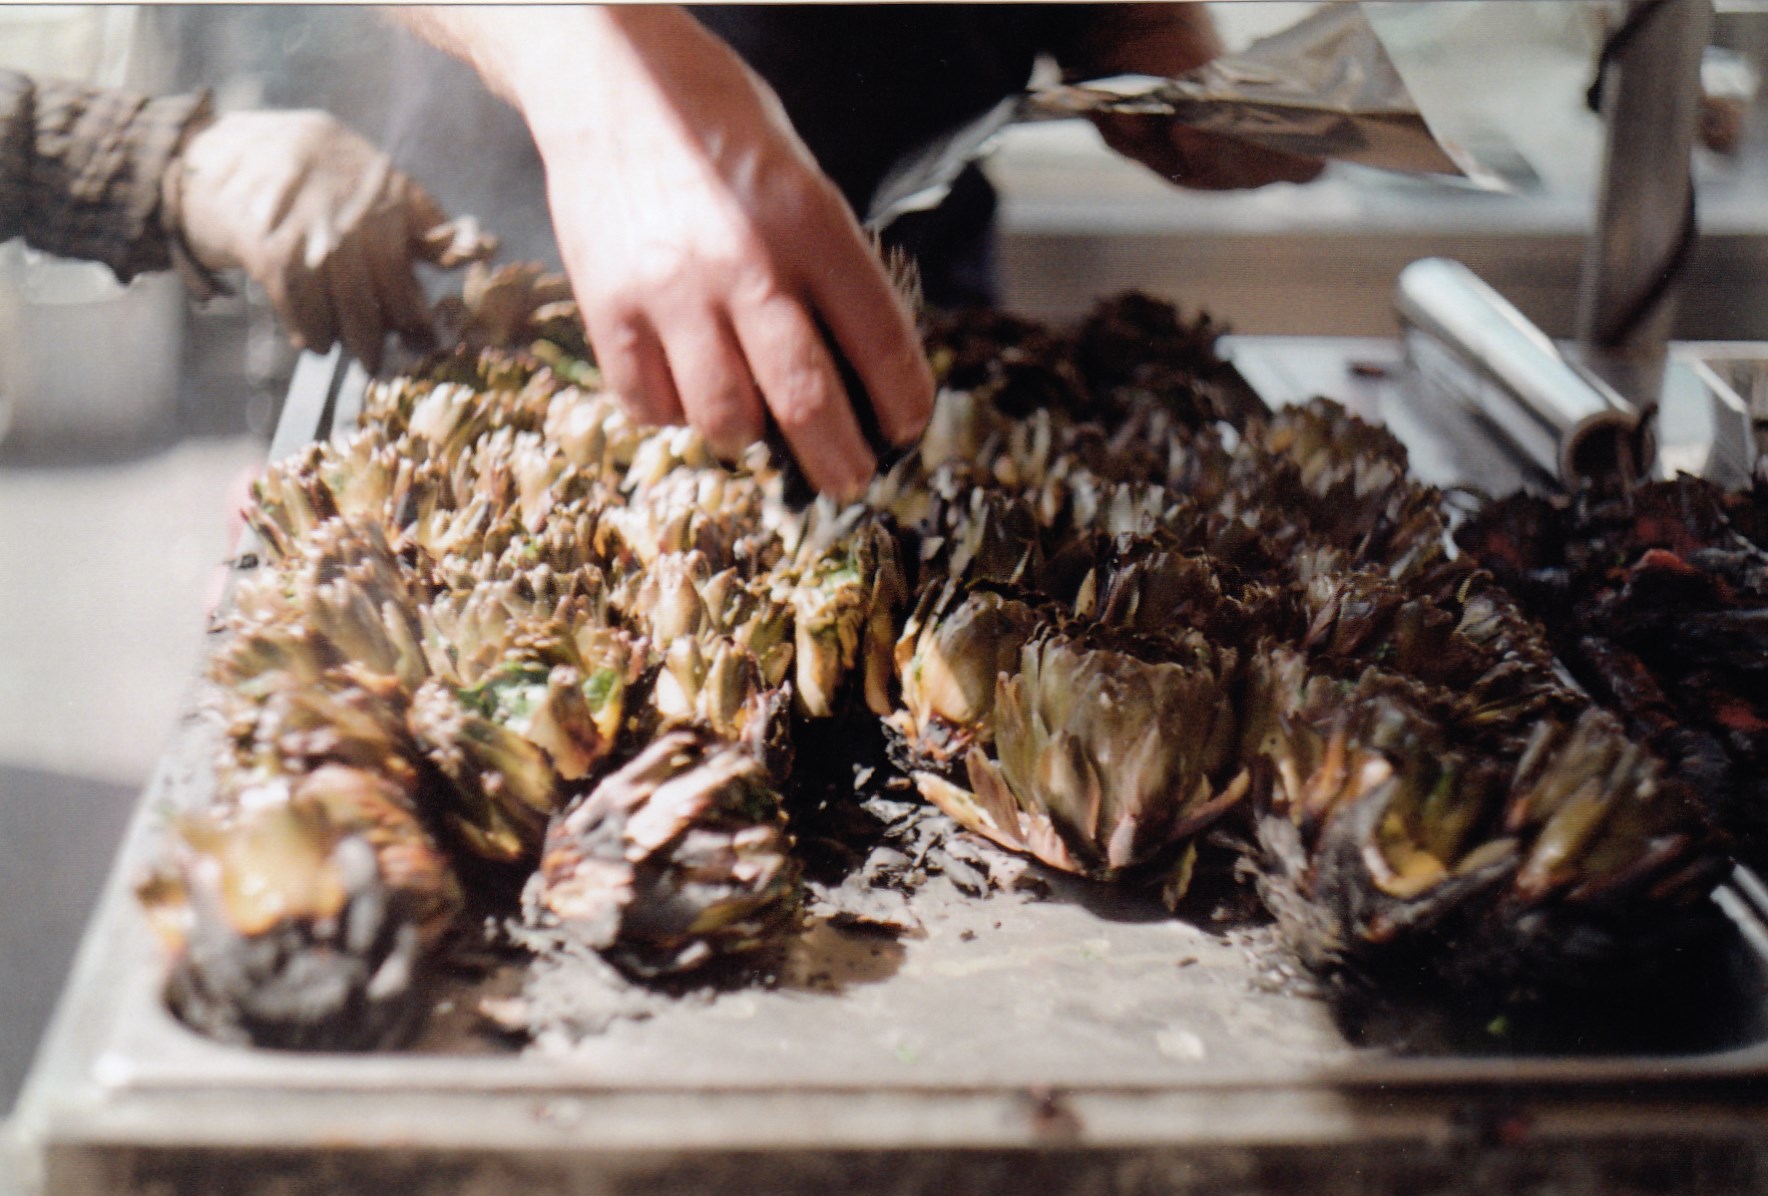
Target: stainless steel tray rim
{"points": [[118, 1073]]}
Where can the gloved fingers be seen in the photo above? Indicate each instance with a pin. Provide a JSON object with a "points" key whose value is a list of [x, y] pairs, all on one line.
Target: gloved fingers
{"points": [[549, 288], [401, 299], [455, 243], [439, 240], [634, 367], [422, 212], [298, 295], [712, 380], [351, 287]]}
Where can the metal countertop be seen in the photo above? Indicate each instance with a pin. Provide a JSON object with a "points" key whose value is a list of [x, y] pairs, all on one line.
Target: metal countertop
{"points": [[1075, 1044]]}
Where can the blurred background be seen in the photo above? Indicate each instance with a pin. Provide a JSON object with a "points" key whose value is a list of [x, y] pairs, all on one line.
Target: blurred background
{"points": [[130, 420]]}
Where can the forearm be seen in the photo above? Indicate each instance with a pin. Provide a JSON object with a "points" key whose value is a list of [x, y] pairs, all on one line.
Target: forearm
{"points": [[522, 52], [604, 83], [1145, 39], [707, 250], [81, 169], [475, 35]]}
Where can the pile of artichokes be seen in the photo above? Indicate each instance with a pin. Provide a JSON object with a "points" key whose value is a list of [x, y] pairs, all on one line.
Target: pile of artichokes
{"points": [[503, 633]]}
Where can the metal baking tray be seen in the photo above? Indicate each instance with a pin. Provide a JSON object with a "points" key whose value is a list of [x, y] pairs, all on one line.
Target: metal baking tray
{"points": [[1079, 1043]]}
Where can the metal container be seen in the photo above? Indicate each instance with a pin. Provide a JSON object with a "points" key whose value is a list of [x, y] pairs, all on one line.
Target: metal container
{"points": [[84, 359], [1735, 377], [1079, 1043], [1713, 417]]}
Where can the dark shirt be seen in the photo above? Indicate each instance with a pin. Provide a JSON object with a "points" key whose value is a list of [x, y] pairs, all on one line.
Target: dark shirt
{"points": [[80, 169], [866, 85]]}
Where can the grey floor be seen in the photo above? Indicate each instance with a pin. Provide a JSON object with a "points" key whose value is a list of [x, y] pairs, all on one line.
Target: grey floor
{"points": [[105, 570], [57, 834]]}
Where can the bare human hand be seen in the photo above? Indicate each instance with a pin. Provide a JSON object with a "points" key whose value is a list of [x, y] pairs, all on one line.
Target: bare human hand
{"points": [[702, 241]]}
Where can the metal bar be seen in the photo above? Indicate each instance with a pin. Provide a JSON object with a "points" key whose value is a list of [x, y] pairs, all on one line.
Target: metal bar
{"points": [[347, 407], [306, 415], [1746, 918], [1651, 100]]}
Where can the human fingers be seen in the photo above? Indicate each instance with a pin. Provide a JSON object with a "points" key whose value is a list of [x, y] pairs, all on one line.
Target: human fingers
{"points": [[1143, 139], [712, 381], [1219, 163], [798, 383], [634, 367], [876, 334]]}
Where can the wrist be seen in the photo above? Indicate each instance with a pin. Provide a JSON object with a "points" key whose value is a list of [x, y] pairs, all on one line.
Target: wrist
{"points": [[544, 60], [193, 266]]}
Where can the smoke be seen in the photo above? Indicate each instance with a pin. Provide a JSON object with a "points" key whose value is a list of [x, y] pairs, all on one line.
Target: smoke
{"points": [[470, 149]]}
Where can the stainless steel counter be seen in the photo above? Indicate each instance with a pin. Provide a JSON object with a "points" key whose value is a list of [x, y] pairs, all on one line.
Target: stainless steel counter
{"points": [[1079, 1043]]}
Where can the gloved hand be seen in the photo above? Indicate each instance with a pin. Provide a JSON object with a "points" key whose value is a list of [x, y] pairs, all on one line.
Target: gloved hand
{"points": [[1169, 40], [1199, 160], [319, 218]]}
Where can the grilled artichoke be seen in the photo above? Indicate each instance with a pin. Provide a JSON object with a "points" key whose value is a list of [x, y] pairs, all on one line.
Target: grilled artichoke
{"points": [[1130, 613], [305, 915], [845, 598], [1104, 764], [952, 652], [679, 858], [1390, 848], [1655, 602]]}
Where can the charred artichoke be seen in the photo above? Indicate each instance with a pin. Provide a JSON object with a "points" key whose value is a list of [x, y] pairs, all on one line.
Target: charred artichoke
{"points": [[677, 859]]}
